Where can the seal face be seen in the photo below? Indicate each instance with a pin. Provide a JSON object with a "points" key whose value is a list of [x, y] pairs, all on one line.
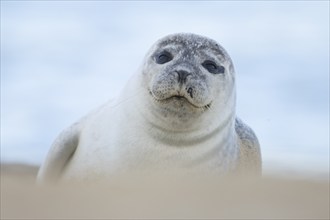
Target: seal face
{"points": [[176, 113], [186, 74]]}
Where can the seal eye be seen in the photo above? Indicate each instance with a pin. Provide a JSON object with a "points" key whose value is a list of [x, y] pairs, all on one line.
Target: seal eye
{"points": [[212, 67], [163, 57]]}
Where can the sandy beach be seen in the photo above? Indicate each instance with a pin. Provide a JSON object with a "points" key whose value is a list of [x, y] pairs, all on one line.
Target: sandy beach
{"points": [[158, 197]]}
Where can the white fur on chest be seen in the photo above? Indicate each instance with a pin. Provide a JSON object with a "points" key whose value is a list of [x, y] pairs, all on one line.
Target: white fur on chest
{"points": [[116, 140]]}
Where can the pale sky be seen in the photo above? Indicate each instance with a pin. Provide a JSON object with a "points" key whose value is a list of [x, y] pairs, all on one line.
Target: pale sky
{"points": [[60, 60]]}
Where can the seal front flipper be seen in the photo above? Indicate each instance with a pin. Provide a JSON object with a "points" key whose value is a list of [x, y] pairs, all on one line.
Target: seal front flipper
{"points": [[250, 156], [59, 154]]}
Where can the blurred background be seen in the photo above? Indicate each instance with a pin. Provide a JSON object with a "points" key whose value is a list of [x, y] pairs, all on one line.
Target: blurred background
{"points": [[59, 60]]}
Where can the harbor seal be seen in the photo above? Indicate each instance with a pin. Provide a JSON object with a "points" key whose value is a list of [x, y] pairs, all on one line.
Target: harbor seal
{"points": [[176, 113]]}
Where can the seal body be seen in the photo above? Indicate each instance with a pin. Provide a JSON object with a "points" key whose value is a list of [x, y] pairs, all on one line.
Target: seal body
{"points": [[176, 114]]}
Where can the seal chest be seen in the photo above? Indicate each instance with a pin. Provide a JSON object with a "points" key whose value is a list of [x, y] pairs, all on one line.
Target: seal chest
{"points": [[176, 113]]}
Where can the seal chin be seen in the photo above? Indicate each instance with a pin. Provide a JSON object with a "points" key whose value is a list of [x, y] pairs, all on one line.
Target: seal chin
{"points": [[180, 100]]}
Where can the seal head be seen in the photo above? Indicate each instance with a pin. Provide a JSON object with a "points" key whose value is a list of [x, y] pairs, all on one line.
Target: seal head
{"points": [[187, 75]]}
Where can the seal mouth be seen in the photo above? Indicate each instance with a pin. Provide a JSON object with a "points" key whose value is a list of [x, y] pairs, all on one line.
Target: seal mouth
{"points": [[178, 97], [181, 98]]}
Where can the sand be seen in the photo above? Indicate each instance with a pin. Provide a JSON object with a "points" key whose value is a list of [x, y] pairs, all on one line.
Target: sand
{"points": [[159, 197]]}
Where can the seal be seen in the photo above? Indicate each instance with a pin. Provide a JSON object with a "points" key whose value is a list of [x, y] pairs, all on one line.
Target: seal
{"points": [[177, 113]]}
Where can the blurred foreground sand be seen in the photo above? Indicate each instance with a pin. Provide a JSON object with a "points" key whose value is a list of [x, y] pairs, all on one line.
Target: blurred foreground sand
{"points": [[235, 198]]}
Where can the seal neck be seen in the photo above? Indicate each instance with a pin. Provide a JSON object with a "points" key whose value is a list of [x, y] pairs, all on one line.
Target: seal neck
{"points": [[214, 125], [220, 134]]}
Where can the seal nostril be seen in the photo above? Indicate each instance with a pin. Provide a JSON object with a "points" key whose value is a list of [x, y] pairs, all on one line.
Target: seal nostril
{"points": [[182, 75], [190, 91]]}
